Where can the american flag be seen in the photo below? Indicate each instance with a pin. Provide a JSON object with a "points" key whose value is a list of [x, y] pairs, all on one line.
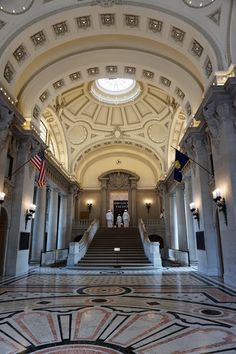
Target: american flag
{"points": [[39, 162]]}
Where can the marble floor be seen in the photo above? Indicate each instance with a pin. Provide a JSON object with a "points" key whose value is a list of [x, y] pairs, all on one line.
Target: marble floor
{"points": [[61, 311]]}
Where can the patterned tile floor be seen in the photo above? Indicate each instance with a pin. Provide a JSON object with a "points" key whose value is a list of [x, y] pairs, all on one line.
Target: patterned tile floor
{"points": [[61, 311]]}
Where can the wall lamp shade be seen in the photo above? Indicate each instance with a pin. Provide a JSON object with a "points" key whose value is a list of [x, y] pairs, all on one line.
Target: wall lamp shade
{"points": [[29, 214], [220, 202], [195, 213], [2, 197], [148, 206], [89, 205]]}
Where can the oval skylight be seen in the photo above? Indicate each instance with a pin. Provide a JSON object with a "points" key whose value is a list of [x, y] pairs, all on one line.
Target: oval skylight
{"points": [[115, 91]]}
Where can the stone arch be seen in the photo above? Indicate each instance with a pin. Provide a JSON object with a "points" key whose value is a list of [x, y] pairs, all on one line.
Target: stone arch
{"points": [[122, 180]]}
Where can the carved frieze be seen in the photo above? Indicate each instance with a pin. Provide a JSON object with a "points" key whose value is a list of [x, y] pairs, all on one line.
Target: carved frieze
{"points": [[118, 180]]}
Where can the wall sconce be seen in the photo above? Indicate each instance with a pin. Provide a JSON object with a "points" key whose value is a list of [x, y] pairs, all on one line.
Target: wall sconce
{"points": [[220, 202], [29, 214], [89, 205], [148, 206], [2, 197], [195, 213]]}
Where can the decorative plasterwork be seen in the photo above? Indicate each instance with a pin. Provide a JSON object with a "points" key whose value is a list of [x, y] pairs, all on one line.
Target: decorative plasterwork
{"points": [[107, 19], [20, 53], [148, 74], [111, 69], [9, 72], [132, 20], [165, 81], [208, 67], [44, 96], [177, 34], [38, 39], [75, 76], [83, 22], [130, 70], [93, 71], [215, 16], [155, 25], [58, 84], [2, 24], [179, 93], [60, 28], [36, 112], [197, 49]]}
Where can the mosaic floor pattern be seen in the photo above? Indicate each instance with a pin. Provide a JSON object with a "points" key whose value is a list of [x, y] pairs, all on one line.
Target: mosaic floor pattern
{"points": [[68, 312]]}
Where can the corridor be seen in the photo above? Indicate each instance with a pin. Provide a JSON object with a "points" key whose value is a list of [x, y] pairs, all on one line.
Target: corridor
{"points": [[61, 311]]}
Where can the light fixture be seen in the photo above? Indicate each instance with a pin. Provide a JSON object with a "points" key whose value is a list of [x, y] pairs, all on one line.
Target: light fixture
{"points": [[89, 205], [220, 202], [195, 213], [2, 197], [148, 206], [29, 214]]}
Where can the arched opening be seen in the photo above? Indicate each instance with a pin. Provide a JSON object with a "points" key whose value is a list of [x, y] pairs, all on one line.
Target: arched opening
{"points": [[3, 238]]}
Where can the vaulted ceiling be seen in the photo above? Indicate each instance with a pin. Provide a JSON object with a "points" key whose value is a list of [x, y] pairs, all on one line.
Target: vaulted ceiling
{"points": [[53, 51]]}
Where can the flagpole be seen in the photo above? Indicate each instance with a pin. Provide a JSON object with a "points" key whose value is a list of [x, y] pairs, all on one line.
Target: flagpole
{"points": [[196, 162], [19, 168]]}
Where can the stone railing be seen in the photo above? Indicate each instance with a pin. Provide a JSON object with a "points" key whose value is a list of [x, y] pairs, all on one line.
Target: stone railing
{"points": [[151, 249], [182, 257], [77, 250], [79, 227], [53, 257]]}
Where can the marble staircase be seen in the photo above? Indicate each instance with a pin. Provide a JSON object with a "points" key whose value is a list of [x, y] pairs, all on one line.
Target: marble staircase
{"points": [[101, 253]]}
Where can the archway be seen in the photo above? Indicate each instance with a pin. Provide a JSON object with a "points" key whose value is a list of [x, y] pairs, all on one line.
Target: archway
{"points": [[3, 238]]}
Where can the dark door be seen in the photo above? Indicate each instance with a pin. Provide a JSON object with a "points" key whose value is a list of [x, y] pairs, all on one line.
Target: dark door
{"points": [[119, 207]]}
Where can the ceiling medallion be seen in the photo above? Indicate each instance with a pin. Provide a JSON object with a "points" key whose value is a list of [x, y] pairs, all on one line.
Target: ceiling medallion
{"points": [[115, 91], [198, 3], [15, 7]]}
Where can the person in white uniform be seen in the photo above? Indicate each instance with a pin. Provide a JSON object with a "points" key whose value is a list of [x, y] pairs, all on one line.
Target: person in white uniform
{"points": [[126, 218], [109, 218], [119, 220]]}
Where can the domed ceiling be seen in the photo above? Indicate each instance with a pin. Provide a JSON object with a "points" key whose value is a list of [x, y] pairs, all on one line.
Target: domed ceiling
{"points": [[54, 52], [143, 128]]}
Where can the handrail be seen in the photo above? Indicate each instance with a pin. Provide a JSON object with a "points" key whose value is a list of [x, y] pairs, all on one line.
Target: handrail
{"points": [[77, 250], [53, 256], [151, 249]]}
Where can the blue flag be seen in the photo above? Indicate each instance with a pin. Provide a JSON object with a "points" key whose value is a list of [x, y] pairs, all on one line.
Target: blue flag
{"points": [[180, 161]]}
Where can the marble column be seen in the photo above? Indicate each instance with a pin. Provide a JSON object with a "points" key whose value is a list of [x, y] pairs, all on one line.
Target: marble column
{"points": [[173, 222], [104, 200], [52, 219], [70, 212], [189, 220], [39, 225], [218, 110], [134, 202], [181, 220], [61, 243], [21, 198]]}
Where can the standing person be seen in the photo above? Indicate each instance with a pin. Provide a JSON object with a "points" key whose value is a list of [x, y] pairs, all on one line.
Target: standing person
{"points": [[119, 220], [126, 218], [109, 218]]}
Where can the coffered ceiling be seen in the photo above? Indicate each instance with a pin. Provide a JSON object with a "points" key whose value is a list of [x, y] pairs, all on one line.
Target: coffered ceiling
{"points": [[53, 51]]}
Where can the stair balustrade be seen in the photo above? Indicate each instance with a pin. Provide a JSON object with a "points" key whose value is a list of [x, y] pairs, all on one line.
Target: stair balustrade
{"points": [[151, 249], [77, 250]]}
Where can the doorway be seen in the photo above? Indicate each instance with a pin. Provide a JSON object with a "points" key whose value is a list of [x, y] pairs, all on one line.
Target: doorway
{"points": [[3, 238], [118, 203]]}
